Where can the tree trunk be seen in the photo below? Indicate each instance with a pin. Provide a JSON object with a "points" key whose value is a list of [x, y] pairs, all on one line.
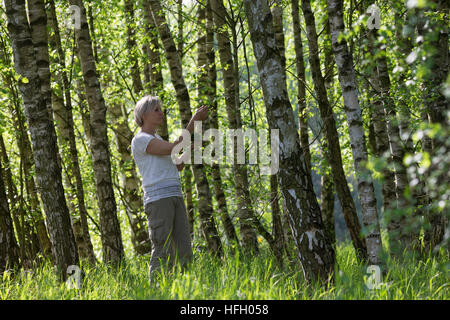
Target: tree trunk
{"points": [[38, 27], [43, 136], [211, 88], [332, 136], [156, 79], [315, 251], [109, 224], [129, 180], [14, 200], [205, 206], [277, 14], [132, 48], [24, 228], [64, 119], [347, 79], [231, 87], [326, 181], [301, 82], [277, 225], [9, 250]]}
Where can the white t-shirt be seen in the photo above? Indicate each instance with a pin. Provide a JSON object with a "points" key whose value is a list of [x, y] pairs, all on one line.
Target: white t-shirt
{"points": [[160, 177]]}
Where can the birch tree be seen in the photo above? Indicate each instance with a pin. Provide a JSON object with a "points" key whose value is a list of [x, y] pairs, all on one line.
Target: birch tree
{"points": [[112, 247], [232, 102], [63, 115], [334, 150], [211, 97], [313, 243], [347, 79], [9, 250], [43, 137]]}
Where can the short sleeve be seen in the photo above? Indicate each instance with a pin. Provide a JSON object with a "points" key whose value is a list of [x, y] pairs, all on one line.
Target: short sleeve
{"points": [[140, 143]]}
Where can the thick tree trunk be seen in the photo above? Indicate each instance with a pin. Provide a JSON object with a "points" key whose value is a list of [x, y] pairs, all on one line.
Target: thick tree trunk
{"points": [[109, 224], [9, 250], [332, 136], [64, 119], [43, 136], [28, 233], [38, 27], [315, 251], [204, 204], [231, 86], [347, 79]]}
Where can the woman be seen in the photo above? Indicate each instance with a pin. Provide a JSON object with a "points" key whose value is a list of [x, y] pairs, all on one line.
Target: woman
{"points": [[163, 200]]}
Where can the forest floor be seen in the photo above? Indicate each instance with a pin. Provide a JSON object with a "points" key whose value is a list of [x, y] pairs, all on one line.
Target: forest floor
{"points": [[237, 278]]}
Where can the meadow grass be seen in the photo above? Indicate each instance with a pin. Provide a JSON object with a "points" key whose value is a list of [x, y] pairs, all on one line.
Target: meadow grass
{"points": [[235, 277]]}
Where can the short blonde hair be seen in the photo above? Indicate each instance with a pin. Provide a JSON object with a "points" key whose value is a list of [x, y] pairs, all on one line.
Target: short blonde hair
{"points": [[147, 103]]}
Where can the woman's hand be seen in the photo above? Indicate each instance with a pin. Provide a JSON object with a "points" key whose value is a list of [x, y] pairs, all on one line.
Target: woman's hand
{"points": [[201, 114]]}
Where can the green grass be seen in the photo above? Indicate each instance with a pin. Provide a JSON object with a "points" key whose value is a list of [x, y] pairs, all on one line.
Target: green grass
{"points": [[235, 278]]}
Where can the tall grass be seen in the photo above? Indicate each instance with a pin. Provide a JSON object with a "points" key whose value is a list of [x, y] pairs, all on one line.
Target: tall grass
{"points": [[235, 277]]}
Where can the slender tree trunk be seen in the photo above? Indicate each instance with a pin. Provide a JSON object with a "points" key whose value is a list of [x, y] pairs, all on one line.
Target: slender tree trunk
{"points": [[332, 136], [277, 225], [381, 145], [347, 79], [405, 48], [43, 137], [65, 126], [326, 181], [13, 198], [211, 88], [155, 77], [397, 150], [132, 48], [180, 25], [109, 224], [315, 251], [231, 86], [301, 81], [205, 206], [9, 250]]}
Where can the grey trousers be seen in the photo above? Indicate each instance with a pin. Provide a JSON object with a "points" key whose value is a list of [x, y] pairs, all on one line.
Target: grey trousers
{"points": [[169, 232]]}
